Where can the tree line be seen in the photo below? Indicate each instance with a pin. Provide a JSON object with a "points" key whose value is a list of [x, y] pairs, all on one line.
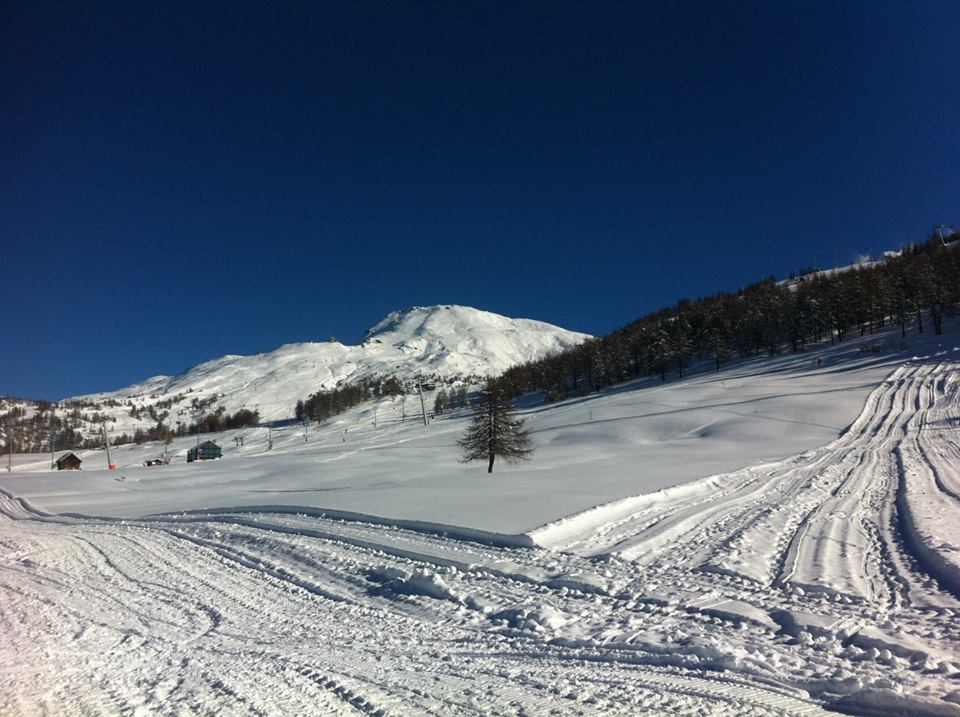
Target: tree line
{"points": [[45, 430], [450, 400], [33, 434], [918, 288], [215, 422], [324, 403]]}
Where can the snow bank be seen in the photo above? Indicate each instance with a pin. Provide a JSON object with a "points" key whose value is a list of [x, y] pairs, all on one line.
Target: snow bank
{"points": [[889, 703], [420, 582], [542, 618]]}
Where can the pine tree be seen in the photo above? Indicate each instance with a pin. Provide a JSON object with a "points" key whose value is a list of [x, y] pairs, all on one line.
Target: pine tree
{"points": [[441, 403], [494, 431], [458, 397]]}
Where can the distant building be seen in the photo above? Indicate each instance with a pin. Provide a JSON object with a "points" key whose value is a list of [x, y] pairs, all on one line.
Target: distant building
{"points": [[68, 462], [206, 451]]}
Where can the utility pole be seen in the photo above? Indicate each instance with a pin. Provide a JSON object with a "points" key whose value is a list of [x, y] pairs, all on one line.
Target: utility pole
{"points": [[374, 417], [269, 437], [106, 443], [53, 416], [423, 409], [9, 454]]}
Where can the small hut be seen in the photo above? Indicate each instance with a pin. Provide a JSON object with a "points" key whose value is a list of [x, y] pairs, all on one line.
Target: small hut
{"points": [[206, 451], [69, 462]]}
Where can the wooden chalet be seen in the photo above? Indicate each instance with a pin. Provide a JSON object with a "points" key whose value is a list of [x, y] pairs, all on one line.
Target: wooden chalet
{"points": [[68, 462], [206, 451]]}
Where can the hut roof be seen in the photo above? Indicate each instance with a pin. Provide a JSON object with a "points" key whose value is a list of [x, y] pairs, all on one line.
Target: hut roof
{"points": [[68, 459]]}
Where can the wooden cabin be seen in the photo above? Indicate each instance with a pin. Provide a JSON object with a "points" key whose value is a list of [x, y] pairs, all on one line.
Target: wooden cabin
{"points": [[69, 462], [206, 451]]}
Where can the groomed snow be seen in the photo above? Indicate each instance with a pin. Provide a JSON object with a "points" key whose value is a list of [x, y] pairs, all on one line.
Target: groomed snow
{"points": [[774, 539]]}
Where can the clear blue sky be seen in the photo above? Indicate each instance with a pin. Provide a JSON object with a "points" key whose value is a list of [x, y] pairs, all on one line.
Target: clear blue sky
{"points": [[179, 183]]}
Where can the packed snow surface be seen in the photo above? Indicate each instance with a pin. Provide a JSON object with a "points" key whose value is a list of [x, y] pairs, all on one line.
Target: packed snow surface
{"points": [[775, 539]]}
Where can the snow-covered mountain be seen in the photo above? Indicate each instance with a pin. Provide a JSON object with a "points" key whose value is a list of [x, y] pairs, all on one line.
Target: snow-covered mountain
{"points": [[460, 341], [441, 343]]}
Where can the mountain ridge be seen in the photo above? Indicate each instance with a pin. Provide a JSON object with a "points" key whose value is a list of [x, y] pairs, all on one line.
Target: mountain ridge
{"points": [[419, 332], [445, 343]]}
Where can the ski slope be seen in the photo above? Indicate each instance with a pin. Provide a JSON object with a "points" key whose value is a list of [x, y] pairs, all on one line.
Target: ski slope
{"points": [[364, 571]]}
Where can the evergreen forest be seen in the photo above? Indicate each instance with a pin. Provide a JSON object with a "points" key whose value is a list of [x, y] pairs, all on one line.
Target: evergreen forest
{"points": [[913, 289]]}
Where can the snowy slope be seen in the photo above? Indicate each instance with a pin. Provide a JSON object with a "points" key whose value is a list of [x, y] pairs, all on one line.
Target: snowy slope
{"points": [[439, 342], [360, 569], [460, 341], [633, 439]]}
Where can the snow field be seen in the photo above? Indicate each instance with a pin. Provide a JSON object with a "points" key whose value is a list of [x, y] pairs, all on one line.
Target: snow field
{"points": [[817, 578], [821, 528], [252, 614], [638, 439]]}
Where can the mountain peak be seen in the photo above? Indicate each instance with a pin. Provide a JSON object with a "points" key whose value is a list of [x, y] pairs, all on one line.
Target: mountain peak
{"points": [[460, 340], [440, 320], [446, 341]]}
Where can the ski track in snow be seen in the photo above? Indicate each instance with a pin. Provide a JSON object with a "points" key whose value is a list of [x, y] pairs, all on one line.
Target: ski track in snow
{"points": [[773, 590]]}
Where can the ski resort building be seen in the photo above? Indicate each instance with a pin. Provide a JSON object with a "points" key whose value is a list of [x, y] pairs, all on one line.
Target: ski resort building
{"points": [[206, 451], [69, 462]]}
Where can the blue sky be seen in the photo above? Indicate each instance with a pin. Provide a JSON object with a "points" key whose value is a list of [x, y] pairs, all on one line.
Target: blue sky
{"points": [[180, 183]]}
